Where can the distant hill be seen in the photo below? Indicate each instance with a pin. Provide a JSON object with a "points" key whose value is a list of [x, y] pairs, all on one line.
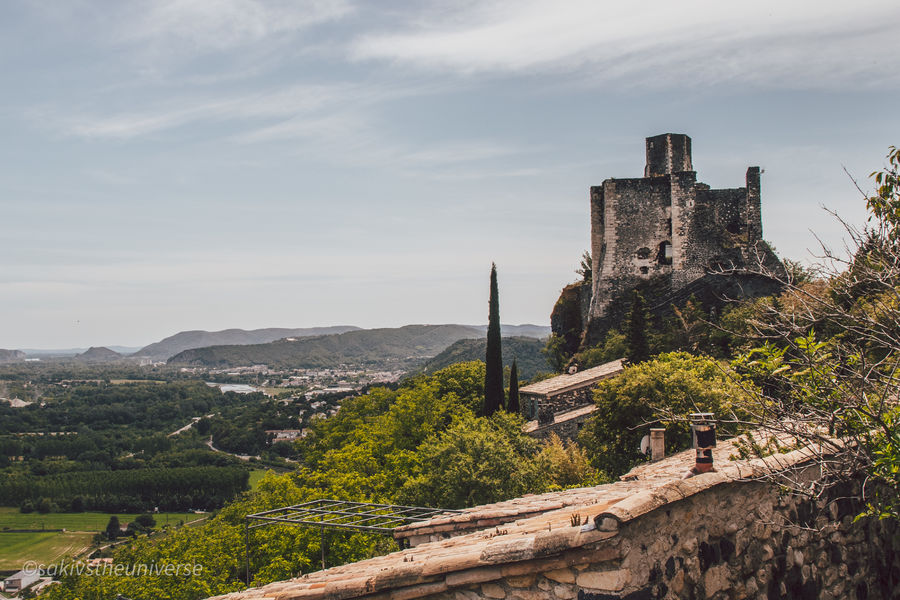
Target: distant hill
{"points": [[525, 330], [402, 346], [99, 354], [8, 356], [70, 352], [526, 351], [187, 340]]}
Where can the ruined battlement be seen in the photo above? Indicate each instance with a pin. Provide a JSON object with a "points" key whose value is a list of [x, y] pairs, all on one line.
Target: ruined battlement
{"points": [[668, 153]]}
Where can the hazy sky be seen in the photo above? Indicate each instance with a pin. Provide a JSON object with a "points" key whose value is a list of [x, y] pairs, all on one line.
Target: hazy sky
{"points": [[204, 164]]}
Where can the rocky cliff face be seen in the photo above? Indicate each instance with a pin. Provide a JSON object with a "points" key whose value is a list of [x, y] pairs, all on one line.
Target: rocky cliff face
{"points": [[569, 318]]}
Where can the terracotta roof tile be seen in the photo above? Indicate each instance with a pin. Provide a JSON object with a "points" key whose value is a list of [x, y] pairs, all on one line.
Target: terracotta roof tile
{"points": [[543, 539]]}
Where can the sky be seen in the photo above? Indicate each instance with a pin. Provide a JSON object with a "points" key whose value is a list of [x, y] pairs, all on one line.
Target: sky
{"points": [[205, 164]]}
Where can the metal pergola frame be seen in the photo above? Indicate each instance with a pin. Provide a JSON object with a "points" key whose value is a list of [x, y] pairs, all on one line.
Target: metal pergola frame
{"points": [[339, 514]]}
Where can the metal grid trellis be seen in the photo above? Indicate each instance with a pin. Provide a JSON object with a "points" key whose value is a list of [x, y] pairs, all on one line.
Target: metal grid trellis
{"points": [[339, 514]]}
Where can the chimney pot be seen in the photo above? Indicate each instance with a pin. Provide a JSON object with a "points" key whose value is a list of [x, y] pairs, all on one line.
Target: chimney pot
{"points": [[703, 433], [657, 444]]}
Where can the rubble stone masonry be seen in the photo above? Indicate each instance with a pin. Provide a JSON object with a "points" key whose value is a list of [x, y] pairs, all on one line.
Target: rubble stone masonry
{"points": [[727, 534], [670, 236]]}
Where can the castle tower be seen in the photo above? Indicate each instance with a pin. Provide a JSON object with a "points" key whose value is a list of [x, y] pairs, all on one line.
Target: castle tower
{"points": [[671, 236], [668, 153]]}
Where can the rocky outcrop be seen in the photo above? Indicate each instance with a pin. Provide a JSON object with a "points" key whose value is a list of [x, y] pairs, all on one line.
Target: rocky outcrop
{"points": [[570, 314]]}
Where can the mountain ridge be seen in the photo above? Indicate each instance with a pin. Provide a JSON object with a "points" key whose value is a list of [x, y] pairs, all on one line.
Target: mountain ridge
{"points": [[198, 338], [526, 350], [398, 346]]}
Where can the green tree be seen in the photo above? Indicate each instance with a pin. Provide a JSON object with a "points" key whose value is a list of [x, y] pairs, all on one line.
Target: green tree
{"points": [[146, 521], [638, 346], [585, 267], [827, 376], [493, 376], [112, 528], [884, 204], [555, 351], [612, 348], [420, 443], [565, 465], [44, 506], [512, 403], [77, 504], [665, 389], [475, 461]]}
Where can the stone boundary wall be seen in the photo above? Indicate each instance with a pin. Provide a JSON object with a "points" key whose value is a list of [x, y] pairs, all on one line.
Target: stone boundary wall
{"points": [[557, 403], [721, 535], [727, 542], [565, 425]]}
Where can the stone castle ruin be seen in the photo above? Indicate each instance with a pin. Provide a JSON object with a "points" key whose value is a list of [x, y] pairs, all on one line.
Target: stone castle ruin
{"points": [[671, 237]]}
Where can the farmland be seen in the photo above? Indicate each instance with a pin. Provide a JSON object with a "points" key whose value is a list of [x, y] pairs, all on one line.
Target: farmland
{"points": [[16, 547]]}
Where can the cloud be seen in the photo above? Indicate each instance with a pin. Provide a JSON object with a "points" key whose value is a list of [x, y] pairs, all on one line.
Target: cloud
{"points": [[277, 103], [221, 24], [826, 44]]}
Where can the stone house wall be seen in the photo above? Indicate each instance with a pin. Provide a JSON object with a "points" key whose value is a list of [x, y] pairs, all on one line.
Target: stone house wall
{"points": [[566, 428], [725, 543], [533, 404], [724, 535]]}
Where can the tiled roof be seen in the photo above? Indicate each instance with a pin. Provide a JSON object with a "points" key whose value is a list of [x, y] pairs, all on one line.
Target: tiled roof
{"points": [[541, 529], [564, 383]]}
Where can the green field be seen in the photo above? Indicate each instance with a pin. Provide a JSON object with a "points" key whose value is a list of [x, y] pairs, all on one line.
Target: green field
{"points": [[255, 476], [16, 548], [50, 546], [11, 518]]}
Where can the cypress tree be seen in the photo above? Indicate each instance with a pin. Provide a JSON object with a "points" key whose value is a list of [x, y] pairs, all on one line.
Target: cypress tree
{"points": [[493, 359], [512, 403], [112, 528], [638, 347]]}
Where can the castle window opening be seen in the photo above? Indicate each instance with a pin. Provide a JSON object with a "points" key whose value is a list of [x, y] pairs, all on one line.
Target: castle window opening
{"points": [[664, 255], [643, 252], [734, 227], [645, 270]]}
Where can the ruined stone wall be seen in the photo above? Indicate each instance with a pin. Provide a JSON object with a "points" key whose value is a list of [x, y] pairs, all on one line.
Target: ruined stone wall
{"points": [[556, 403], [633, 224], [668, 153], [666, 231], [564, 428], [737, 541]]}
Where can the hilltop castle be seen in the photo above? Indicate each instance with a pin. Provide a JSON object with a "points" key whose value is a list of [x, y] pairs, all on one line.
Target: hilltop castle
{"points": [[669, 236]]}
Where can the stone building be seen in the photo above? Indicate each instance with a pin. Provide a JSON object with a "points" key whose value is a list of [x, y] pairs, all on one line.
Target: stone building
{"points": [[565, 425], [671, 236], [723, 535], [563, 403]]}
